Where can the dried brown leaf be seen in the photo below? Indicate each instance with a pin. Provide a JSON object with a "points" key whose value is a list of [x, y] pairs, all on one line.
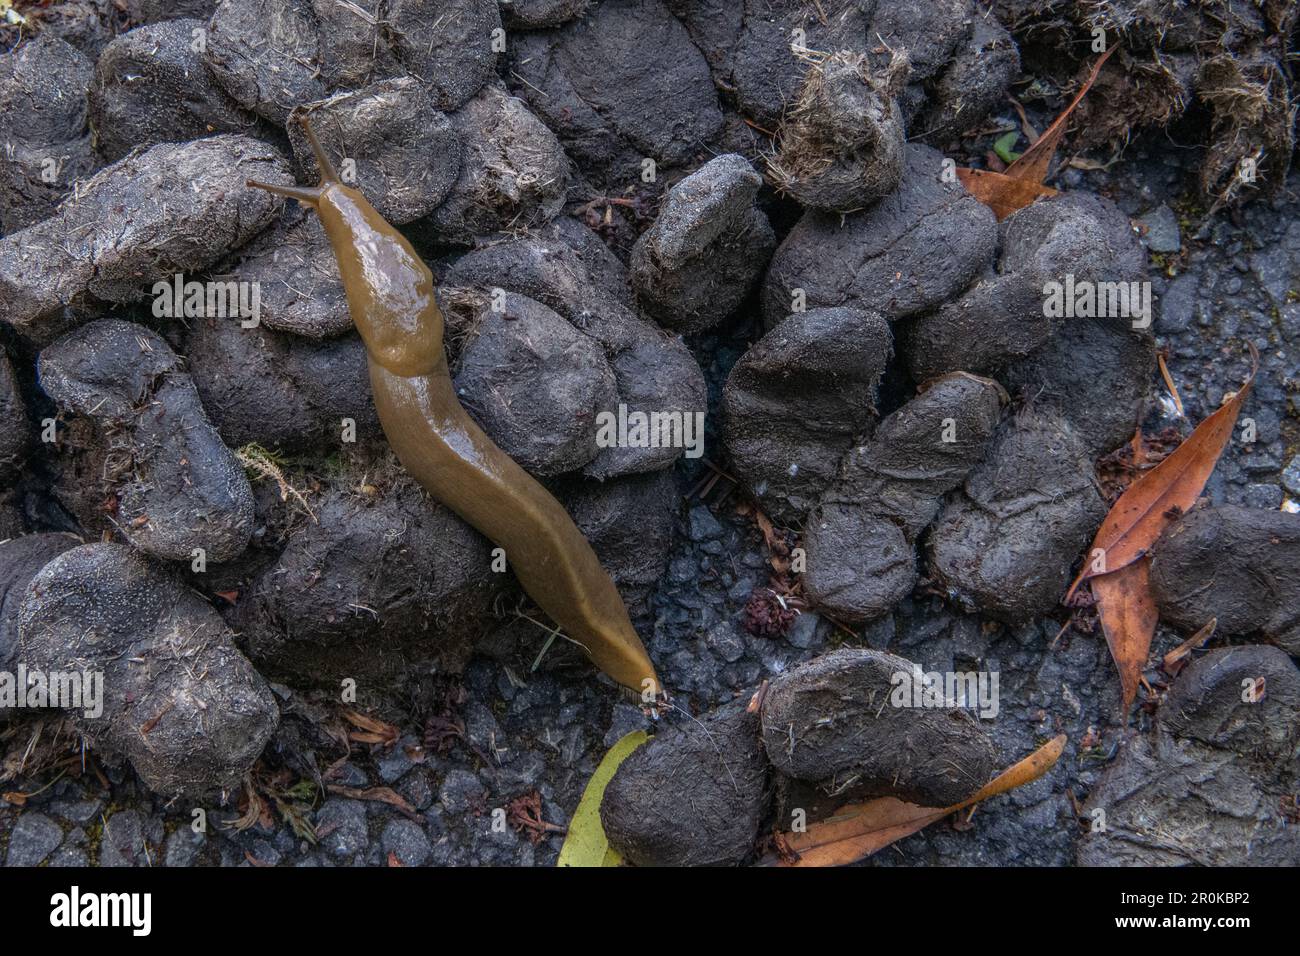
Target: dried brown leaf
{"points": [[1002, 193], [1022, 183], [1128, 618], [378, 794], [860, 829], [372, 730], [1035, 163], [1167, 490]]}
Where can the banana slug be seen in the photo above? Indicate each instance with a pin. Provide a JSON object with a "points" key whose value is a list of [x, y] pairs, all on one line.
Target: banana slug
{"points": [[391, 298]]}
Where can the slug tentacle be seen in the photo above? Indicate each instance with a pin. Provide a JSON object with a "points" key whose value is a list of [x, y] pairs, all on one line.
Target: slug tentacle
{"points": [[309, 195], [391, 299], [328, 174]]}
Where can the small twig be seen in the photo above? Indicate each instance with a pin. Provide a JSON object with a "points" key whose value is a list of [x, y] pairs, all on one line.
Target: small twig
{"points": [[1173, 661], [1169, 384]]}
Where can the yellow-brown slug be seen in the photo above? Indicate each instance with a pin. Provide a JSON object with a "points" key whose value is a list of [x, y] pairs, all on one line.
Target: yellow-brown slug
{"points": [[390, 296]]}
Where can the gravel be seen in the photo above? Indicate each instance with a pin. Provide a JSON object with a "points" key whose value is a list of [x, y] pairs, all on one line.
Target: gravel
{"points": [[342, 824], [34, 837], [1162, 232]]}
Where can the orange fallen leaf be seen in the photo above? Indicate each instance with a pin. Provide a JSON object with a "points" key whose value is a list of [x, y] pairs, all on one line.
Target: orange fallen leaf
{"points": [[372, 729], [1128, 618], [393, 860], [1002, 193], [859, 830], [1022, 183], [1035, 162], [1149, 504], [869, 827]]}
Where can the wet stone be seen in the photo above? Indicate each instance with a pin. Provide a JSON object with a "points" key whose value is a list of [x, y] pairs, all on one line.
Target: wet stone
{"points": [[726, 641], [1163, 234], [343, 823], [1291, 476], [182, 847], [70, 856], [703, 526], [34, 837], [122, 842], [405, 840], [460, 791]]}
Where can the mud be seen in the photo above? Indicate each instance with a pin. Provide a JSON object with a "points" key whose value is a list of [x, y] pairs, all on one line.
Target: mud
{"points": [[446, 45], [1007, 543], [189, 208], [621, 84], [860, 539], [535, 384], [569, 270], [797, 400], [151, 86], [282, 392], [539, 14], [1210, 786], [831, 722], [972, 85], [15, 431], [21, 559], [1005, 317], [615, 112], [299, 289], [405, 155], [699, 261], [376, 583], [692, 796], [513, 172], [1233, 565], [177, 492], [179, 701], [909, 253], [42, 138]]}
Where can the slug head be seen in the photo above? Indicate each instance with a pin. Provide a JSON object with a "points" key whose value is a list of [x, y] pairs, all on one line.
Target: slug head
{"points": [[389, 290]]}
